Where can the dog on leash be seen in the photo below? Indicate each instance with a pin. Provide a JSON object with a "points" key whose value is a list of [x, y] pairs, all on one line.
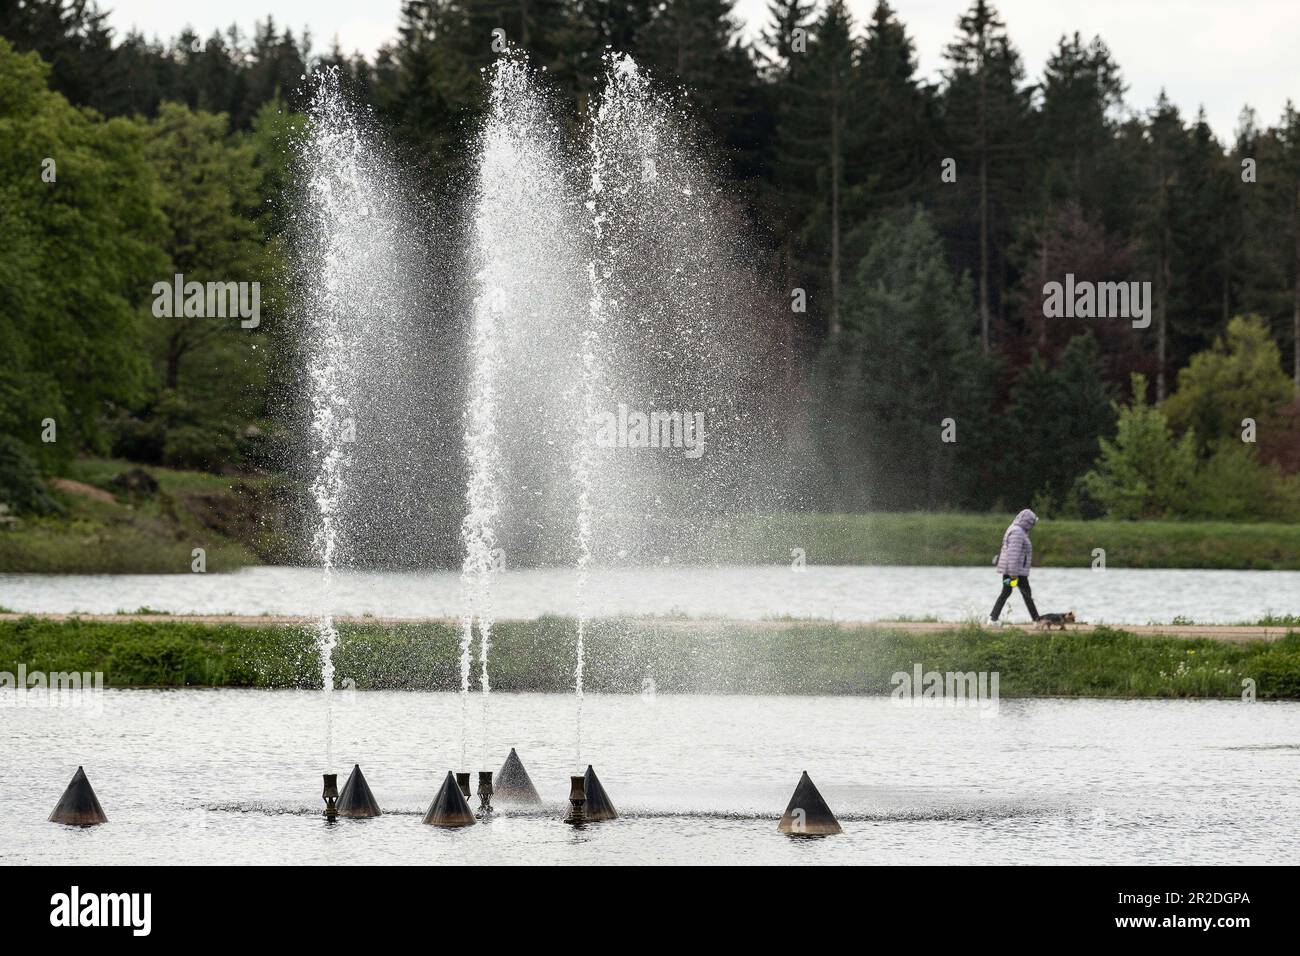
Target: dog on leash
{"points": [[1048, 621]]}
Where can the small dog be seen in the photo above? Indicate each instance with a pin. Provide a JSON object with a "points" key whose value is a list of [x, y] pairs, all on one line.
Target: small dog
{"points": [[1048, 621]]}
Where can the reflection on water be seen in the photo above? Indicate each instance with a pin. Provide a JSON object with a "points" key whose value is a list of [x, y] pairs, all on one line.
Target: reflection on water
{"points": [[847, 593], [231, 776]]}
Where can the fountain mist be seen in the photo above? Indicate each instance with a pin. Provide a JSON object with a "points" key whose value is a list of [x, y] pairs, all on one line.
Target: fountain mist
{"points": [[521, 409], [354, 300], [608, 278]]}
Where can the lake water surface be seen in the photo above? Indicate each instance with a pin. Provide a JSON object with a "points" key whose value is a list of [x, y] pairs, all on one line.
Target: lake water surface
{"points": [[852, 593], [233, 776]]}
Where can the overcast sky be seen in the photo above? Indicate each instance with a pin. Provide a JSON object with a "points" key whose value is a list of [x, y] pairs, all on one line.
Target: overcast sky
{"points": [[1219, 54]]}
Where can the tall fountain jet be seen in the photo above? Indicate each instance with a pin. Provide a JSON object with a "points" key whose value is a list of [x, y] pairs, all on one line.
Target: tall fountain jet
{"points": [[351, 268], [614, 117], [521, 411], [610, 275]]}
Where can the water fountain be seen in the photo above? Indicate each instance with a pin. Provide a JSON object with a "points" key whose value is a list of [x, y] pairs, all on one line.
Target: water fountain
{"points": [[605, 275], [484, 794], [354, 269], [520, 423]]}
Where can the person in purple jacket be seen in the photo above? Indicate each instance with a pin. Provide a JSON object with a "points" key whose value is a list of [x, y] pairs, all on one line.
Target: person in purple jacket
{"points": [[1013, 563]]}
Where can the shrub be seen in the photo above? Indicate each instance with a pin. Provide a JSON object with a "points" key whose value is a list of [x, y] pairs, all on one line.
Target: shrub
{"points": [[21, 485], [1145, 472], [192, 446]]}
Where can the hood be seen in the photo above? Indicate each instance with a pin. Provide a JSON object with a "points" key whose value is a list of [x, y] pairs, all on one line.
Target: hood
{"points": [[1026, 520]]}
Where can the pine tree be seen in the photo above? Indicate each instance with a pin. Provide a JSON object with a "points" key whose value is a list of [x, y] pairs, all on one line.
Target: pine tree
{"points": [[785, 38], [784, 53], [1166, 139], [1054, 420], [697, 44], [906, 361], [1081, 89], [1280, 225], [72, 36], [1204, 221], [986, 112], [894, 147], [816, 141]]}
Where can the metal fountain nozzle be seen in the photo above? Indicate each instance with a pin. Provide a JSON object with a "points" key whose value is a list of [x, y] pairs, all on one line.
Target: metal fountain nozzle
{"points": [[462, 781], [484, 793], [331, 796], [577, 815]]}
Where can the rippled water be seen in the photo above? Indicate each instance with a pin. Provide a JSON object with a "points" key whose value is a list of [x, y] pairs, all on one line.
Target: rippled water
{"points": [[233, 776], [853, 593]]}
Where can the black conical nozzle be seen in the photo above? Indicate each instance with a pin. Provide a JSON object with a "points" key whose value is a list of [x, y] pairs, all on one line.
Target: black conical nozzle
{"points": [[807, 813], [79, 807], [449, 808], [513, 785], [356, 800], [599, 806]]}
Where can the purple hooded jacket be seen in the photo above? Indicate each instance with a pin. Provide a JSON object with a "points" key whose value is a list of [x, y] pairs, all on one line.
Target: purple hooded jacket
{"points": [[1017, 553]]}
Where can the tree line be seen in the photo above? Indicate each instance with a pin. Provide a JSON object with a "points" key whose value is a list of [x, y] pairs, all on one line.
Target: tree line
{"points": [[921, 220]]}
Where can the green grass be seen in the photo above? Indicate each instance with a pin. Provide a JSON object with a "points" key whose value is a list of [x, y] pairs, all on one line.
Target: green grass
{"points": [[973, 539], [136, 536], [100, 471], [234, 520], [623, 655]]}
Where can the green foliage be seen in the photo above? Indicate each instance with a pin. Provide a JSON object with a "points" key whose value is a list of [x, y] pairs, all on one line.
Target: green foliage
{"points": [[208, 192], [825, 148], [75, 262], [1233, 485], [1239, 377], [905, 362], [175, 653], [21, 486], [1053, 422], [919, 538], [1145, 472]]}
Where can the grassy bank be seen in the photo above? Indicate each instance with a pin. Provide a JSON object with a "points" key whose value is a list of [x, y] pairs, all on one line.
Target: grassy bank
{"points": [[243, 521], [973, 539], [104, 529], [679, 657]]}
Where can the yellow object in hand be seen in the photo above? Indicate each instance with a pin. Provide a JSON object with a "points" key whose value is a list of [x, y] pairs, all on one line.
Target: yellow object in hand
{"points": [[1015, 581]]}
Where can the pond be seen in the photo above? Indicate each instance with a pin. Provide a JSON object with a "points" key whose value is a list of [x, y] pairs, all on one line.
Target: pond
{"points": [[851, 593], [233, 776]]}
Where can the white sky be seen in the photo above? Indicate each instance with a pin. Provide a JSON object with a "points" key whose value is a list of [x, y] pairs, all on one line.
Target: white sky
{"points": [[1217, 53]]}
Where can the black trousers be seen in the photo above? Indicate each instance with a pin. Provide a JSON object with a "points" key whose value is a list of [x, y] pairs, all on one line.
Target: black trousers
{"points": [[1028, 595]]}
